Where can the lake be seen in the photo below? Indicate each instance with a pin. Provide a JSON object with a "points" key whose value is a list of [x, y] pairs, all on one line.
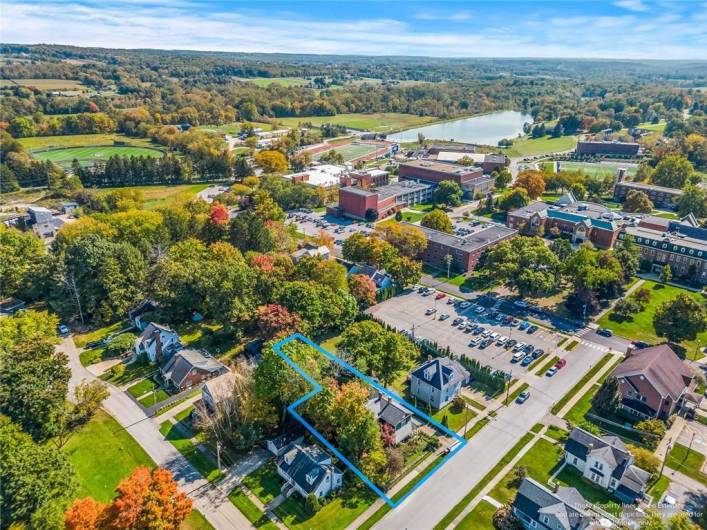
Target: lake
{"points": [[487, 129]]}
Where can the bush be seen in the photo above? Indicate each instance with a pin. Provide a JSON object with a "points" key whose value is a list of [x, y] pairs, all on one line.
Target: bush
{"points": [[311, 504], [118, 370]]}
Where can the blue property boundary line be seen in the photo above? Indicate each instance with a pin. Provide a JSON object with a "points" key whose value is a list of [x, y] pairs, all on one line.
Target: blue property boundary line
{"points": [[317, 388]]}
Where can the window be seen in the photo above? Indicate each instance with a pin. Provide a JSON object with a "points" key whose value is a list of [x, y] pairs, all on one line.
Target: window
{"points": [[544, 518], [599, 465], [574, 460]]}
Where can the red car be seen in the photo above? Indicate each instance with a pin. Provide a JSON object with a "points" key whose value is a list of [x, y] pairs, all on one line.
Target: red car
{"points": [[559, 364], [440, 296]]}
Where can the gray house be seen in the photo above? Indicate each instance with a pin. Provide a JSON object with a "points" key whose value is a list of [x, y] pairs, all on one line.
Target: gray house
{"points": [[540, 509], [438, 381], [307, 470], [390, 412]]}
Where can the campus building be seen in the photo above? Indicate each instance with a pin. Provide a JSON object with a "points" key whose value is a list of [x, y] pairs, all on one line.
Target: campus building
{"points": [[379, 202], [465, 250], [321, 176], [627, 149], [660, 196], [576, 220], [471, 179], [365, 179], [681, 244]]}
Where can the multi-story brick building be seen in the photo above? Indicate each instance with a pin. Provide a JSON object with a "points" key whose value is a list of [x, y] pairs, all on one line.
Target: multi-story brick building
{"points": [[380, 202], [365, 179], [579, 221], [465, 250], [471, 179], [607, 148], [660, 196]]}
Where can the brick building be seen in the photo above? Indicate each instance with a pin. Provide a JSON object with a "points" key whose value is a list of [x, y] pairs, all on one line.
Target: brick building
{"points": [[465, 250], [578, 221], [630, 149], [385, 200], [365, 179], [659, 196], [471, 179]]}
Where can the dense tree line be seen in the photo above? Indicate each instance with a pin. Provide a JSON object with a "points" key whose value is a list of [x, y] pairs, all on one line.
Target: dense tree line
{"points": [[135, 171]]}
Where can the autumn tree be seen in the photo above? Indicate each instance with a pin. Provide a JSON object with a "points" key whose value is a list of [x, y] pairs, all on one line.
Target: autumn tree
{"points": [[532, 182], [409, 240], [438, 220], [637, 201], [363, 289], [275, 320], [271, 161], [645, 459]]}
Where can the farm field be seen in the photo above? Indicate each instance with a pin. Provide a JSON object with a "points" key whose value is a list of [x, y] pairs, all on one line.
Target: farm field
{"points": [[80, 140], [282, 81], [539, 146], [45, 84], [350, 151], [89, 155], [379, 122], [597, 170]]}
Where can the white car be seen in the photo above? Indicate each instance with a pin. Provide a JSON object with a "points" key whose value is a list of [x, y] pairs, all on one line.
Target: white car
{"points": [[521, 303], [495, 335], [474, 342], [517, 356], [502, 340], [487, 333], [431, 311], [480, 309], [519, 346]]}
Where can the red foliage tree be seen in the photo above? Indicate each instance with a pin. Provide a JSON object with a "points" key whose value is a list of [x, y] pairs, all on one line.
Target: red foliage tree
{"points": [[274, 319], [219, 214], [85, 514], [264, 262], [363, 289], [387, 434]]}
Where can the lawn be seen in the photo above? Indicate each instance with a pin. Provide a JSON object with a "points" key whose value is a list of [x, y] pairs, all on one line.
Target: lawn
{"points": [[412, 217], [33, 143], [556, 433], [196, 521], [143, 387], [655, 127], [422, 207], [540, 461], [597, 170], [198, 459], [476, 427], [89, 155], [46, 84], [569, 477], [379, 121], [264, 482], [687, 461], [581, 383], [133, 371], [350, 151], [539, 146], [337, 514], [103, 453], [474, 403], [153, 398], [248, 508], [82, 339], [480, 518], [658, 488], [456, 417], [281, 81], [88, 357], [571, 345], [640, 327], [154, 197]]}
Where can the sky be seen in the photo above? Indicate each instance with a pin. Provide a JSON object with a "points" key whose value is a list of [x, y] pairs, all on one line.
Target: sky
{"points": [[623, 29]]}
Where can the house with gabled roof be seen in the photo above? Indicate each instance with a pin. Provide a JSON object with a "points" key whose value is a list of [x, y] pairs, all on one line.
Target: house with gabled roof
{"points": [[378, 276], [390, 412], [607, 462], [654, 382], [189, 368], [308, 470], [217, 390], [438, 381], [157, 342], [538, 508]]}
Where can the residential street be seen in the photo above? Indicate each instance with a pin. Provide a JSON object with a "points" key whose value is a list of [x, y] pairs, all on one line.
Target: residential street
{"points": [[211, 500]]}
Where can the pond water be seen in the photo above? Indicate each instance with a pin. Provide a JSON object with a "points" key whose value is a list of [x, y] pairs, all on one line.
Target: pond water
{"points": [[487, 129]]}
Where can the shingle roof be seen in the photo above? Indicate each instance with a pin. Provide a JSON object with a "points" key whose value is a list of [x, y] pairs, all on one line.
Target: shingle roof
{"points": [[221, 387], [298, 461], [533, 499], [661, 367], [441, 372], [179, 366], [580, 443], [388, 410]]}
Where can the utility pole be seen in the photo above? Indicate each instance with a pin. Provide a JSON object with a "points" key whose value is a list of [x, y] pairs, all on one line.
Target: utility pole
{"points": [[218, 455], [508, 386], [670, 441]]}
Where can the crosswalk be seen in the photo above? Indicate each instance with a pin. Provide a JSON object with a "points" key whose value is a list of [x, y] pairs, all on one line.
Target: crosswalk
{"points": [[593, 345]]}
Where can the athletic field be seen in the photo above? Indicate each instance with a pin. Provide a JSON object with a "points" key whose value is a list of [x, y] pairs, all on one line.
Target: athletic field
{"points": [[597, 170], [351, 151], [90, 155]]}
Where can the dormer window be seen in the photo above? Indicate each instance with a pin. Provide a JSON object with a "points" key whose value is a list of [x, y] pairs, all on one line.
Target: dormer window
{"points": [[312, 476]]}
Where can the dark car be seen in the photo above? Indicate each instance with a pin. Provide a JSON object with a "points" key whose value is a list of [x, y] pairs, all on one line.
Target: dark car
{"points": [[529, 348], [538, 353], [478, 331], [485, 343], [508, 345], [523, 397], [640, 344], [604, 332], [532, 329]]}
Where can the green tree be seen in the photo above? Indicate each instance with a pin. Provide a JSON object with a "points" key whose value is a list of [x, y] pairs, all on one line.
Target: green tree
{"points": [[598, 271], [652, 431], [249, 233], [502, 178], [562, 248], [37, 480], [438, 220], [628, 253], [681, 318], [241, 168], [666, 274], [448, 193], [693, 201], [404, 271], [637, 201], [513, 199], [607, 399], [24, 264], [673, 171]]}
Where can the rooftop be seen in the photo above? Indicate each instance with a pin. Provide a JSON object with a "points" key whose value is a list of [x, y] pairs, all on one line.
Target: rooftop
{"points": [[441, 372], [677, 240], [441, 167], [644, 186], [389, 190], [482, 236], [325, 175]]}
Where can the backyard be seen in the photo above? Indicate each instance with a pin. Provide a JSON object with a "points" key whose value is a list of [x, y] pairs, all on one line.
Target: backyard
{"points": [[456, 417]]}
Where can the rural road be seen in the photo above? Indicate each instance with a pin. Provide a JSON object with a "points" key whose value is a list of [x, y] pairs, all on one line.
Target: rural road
{"points": [[210, 499]]}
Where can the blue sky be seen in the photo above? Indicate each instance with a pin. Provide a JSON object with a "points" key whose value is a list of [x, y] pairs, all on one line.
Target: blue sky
{"points": [[618, 29]]}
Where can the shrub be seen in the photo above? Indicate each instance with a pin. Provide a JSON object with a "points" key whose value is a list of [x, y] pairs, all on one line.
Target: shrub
{"points": [[118, 370], [311, 504]]}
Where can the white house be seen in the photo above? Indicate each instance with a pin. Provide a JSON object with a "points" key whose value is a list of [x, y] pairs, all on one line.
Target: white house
{"points": [[311, 251], [217, 389], [307, 470], [158, 342]]}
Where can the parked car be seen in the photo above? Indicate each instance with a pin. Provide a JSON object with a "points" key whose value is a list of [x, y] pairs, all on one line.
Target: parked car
{"points": [[523, 397], [485, 343], [422, 289], [465, 304], [495, 335], [480, 310], [559, 364], [552, 371], [63, 330], [527, 360], [517, 356], [604, 332], [501, 340], [532, 329], [510, 344], [443, 316], [431, 311], [474, 342], [523, 325], [521, 303], [440, 296], [456, 321], [640, 344], [519, 346], [528, 348], [538, 353], [500, 317], [478, 330], [487, 333], [451, 301]]}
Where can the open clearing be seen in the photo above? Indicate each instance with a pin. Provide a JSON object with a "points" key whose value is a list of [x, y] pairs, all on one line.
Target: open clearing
{"points": [[282, 81], [540, 146], [81, 140], [155, 196], [45, 84], [89, 155], [379, 122], [599, 170], [351, 151]]}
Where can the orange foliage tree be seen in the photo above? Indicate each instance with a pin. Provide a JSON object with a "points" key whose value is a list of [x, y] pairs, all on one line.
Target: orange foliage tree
{"points": [[532, 182]]}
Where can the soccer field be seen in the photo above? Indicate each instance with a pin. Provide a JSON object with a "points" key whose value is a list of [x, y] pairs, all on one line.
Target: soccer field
{"points": [[92, 154], [351, 151], [597, 170]]}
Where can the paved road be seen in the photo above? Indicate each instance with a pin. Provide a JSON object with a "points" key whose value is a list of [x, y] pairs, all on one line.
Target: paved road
{"points": [[212, 501], [209, 193]]}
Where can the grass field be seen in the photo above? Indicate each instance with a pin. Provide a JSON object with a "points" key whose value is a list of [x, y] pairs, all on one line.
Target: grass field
{"points": [[380, 122], [103, 453], [641, 325], [235, 127], [350, 151], [655, 127], [91, 154], [190, 451], [196, 521], [598, 170], [157, 196], [456, 417], [248, 508], [45, 84], [81, 140], [539, 146], [687, 461], [335, 515], [282, 81]]}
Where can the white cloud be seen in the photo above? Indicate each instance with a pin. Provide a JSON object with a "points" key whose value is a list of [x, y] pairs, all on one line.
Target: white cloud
{"points": [[631, 5], [458, 16], [184, 24]]}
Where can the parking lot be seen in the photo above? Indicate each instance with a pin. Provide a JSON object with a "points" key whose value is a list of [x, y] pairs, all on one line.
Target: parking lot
{"points": [[312, 223], [434, 318]]}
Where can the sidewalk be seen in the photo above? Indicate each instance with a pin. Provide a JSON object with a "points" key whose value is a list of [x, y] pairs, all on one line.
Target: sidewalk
{"points": [[672, 435], [635, 286]]}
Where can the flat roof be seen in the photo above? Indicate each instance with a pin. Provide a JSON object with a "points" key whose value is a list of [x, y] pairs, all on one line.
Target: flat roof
{"points": [[388, 190], [669, 238], [482, 236], [643, 186], [325, 175], [442, 167]]}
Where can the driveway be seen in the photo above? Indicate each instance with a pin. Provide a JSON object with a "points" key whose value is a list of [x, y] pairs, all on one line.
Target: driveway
{"points": [[209, 193], [211, 500]]}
